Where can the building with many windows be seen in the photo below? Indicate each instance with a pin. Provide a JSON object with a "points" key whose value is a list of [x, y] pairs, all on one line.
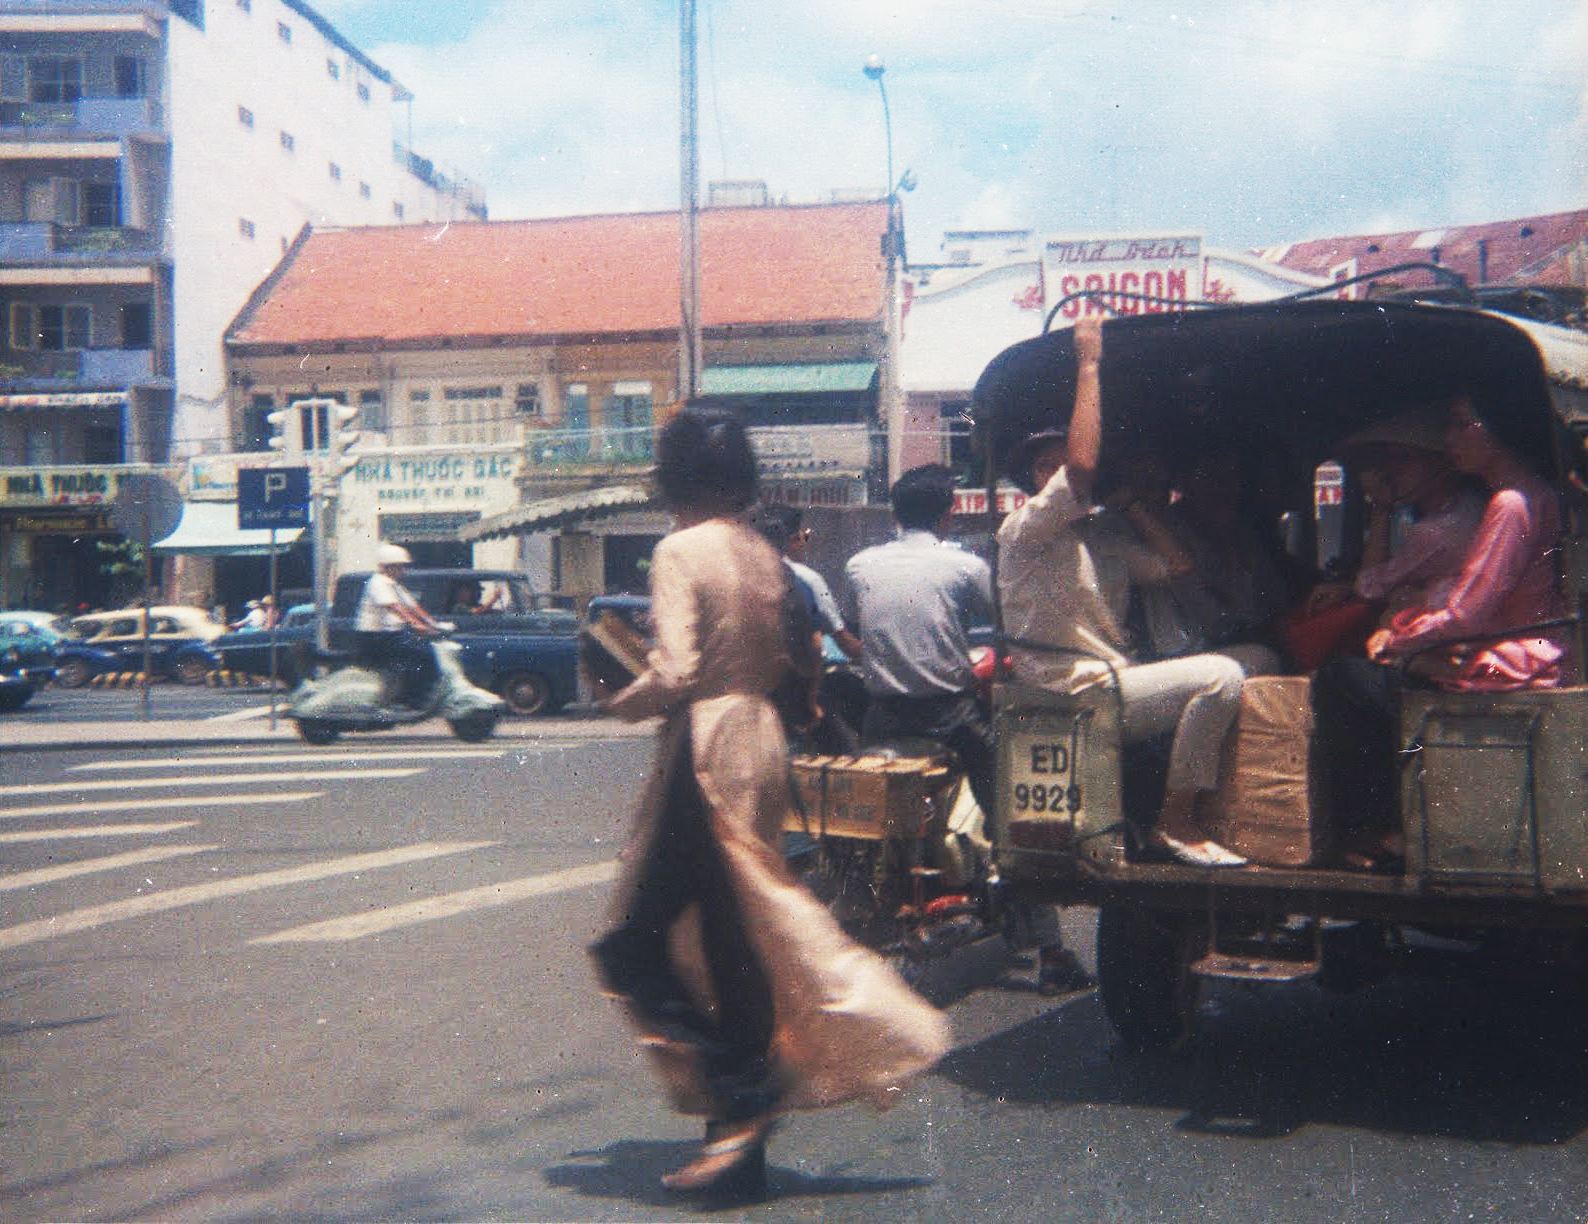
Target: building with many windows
{"points": [[511, 364], [156, 161]]}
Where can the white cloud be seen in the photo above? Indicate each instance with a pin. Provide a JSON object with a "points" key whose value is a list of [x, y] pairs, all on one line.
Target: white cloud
{"points": [[1255, 123]]}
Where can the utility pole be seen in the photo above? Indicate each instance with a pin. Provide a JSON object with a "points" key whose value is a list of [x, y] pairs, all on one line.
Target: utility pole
{"points": [[690, 362]]}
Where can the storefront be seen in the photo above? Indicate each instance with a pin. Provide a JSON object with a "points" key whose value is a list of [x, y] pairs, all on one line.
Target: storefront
{"points": [[58, 547]]}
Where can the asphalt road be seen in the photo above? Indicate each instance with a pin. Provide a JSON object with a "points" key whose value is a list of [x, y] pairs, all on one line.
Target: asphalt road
{"points": [[340, 990]]}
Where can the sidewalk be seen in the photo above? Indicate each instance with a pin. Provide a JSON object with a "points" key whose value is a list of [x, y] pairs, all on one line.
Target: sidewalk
{"points": [[252, 727]]}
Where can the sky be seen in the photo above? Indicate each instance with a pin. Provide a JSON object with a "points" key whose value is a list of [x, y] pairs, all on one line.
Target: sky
{"points": [[1249, 122]]}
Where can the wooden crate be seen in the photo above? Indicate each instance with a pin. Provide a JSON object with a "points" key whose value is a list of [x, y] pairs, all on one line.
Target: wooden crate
{"points": [[865, 797]]}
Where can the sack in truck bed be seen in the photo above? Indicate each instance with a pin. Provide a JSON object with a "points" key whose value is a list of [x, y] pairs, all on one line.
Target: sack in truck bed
{"points": [[1269, 806]]}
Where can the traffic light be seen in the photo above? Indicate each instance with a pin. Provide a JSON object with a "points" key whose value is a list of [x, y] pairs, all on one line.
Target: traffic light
{"points": [[343, 439], [287, 429]]}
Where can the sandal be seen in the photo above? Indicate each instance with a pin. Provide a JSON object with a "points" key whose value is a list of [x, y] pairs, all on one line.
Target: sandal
{"points": [[731, 1166], [1194, 854]]}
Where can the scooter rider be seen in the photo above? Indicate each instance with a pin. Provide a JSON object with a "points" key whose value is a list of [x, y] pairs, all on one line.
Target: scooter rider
{"points": [[388, 623]]}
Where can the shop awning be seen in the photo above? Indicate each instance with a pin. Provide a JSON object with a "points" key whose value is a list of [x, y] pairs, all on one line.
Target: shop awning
{"points": [[810, 379], [209, 529], [66, 399], [550, 513]]}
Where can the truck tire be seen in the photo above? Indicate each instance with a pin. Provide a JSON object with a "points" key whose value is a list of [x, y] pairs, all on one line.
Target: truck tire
{"points": [[1143, 976], [527, 693]]}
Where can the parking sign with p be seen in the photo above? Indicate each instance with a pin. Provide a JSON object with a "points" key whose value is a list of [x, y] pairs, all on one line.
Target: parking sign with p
{"points": [[272, 497]]}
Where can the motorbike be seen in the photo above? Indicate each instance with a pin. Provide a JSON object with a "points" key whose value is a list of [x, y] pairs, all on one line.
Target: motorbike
{"points": [[356, 698]]}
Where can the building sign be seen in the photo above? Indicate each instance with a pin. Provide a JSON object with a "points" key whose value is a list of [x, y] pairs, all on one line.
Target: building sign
{"points": [[794, 492], [1116, 268], [58, 524], [1328, 485], [61, 486], [974, 501], [439, 480]]}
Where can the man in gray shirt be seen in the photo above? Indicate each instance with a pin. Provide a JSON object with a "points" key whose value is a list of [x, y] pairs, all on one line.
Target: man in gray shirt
{"points": [[914, 600]]}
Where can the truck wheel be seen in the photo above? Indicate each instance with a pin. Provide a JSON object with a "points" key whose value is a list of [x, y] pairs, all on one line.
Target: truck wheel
{"points": [[1143, 976], [472, 728], [317, 731], [526, 693], [73, 673]]}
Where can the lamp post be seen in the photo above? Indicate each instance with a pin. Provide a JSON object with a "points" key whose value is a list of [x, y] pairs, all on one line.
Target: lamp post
{"points": [[888, 383]]}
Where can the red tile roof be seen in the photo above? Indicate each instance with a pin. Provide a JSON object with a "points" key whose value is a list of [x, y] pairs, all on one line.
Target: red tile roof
{"points": [[1530, 249], [571, 276]]}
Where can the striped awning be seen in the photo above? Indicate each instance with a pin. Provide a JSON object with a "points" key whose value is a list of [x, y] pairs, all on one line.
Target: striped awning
{"points": [[550, 513]]}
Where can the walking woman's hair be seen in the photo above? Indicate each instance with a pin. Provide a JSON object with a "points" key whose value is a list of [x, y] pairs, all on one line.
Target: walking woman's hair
{"points": [[703, 458]]}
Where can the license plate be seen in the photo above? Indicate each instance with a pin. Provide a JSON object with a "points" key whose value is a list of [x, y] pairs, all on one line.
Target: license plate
{"points": [[1044, 797]]}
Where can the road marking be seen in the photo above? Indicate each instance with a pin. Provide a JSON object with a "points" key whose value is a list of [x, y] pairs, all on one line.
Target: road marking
{"points": [[244, 714], [139, 805], [65, 871], [356, 926], [288, 758], [124, 830], [173, 898], [112, 784]]}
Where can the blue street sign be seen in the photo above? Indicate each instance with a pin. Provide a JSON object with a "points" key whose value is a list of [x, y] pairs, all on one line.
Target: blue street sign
{"points": [[272, 497]]}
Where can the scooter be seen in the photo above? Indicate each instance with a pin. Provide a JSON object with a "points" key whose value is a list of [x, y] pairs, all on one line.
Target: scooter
{"points": [[355, 698]]}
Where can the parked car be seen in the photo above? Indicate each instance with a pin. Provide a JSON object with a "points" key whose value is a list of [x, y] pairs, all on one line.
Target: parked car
{"points": [[103, 642], [28, 643], [248, 651], [512, 643]]}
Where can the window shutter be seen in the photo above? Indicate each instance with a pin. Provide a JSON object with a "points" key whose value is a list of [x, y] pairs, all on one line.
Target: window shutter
{"points": [[24, 326]]}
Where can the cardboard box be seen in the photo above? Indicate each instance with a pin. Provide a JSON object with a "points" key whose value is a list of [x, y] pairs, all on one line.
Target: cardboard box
{"points": [[866, 797], [1269, 805]]}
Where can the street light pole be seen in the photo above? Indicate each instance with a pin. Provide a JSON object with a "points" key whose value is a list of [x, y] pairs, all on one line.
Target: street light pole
{"points": [[888, 383], [690, 361]]}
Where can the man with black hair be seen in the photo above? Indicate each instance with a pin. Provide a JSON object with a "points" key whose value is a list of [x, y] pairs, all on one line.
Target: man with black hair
{"points": [[914, 600]]}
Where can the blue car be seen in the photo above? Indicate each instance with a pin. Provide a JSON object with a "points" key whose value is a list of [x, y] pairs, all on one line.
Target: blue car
{"points": [[104, 642], [28, 642], [247, 651]]}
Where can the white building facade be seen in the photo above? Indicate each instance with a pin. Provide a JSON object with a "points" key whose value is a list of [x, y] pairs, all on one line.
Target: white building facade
{"points": [[156, 161]]}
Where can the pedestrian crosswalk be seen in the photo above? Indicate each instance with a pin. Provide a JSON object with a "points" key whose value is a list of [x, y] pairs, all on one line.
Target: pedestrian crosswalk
{"points": [[91, 799]]}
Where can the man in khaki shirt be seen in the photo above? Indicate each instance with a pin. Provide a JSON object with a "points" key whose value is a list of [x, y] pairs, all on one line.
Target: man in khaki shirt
{"points": [[1064, 578]]}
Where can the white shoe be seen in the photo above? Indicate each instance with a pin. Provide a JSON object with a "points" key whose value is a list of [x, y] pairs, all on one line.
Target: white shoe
{"points": [[1197, 854]]}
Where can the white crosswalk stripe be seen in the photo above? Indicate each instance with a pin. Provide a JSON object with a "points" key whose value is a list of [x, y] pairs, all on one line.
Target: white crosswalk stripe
{"points": [[115, 784], [109, 862], [93, 916], [121, 830], [286, 758], [356, 926], [164, 802]]}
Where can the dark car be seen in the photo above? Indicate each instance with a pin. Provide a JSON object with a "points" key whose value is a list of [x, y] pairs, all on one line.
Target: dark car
{"points": [[247, 651], [103, 642], [512, 643], [27, 658]]}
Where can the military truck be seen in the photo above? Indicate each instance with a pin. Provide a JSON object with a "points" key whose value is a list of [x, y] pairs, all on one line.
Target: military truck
{"points": [[1493, 788]]}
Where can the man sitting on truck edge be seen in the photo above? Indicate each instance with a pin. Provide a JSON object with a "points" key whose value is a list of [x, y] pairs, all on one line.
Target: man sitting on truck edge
{"points": [[1064, 576]]}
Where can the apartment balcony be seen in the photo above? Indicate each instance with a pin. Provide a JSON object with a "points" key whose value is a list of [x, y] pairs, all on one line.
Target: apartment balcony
{"points": [[44, 241], [91, 368], [588, 451], [87, 117]]}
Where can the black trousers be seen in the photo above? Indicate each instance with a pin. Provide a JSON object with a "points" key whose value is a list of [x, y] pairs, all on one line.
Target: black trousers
{"points": [[956, 719], [684, 866], [404, 654], [1356, 716]]}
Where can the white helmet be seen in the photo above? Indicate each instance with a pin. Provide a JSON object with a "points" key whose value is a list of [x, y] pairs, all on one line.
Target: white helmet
{"points": [[392, 554]]}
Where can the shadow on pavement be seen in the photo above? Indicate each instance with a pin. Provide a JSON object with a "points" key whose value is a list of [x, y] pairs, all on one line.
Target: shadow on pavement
{"points": [[1444, 1059], [631, 1170]]}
